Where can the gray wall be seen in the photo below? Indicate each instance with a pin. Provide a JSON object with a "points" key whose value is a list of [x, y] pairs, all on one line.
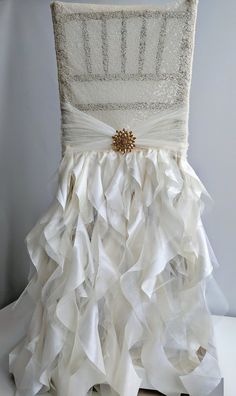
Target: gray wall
{"points": [[30, 128]]}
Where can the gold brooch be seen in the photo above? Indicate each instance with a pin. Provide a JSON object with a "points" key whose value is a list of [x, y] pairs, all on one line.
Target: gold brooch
{"points": [[123, 141]]}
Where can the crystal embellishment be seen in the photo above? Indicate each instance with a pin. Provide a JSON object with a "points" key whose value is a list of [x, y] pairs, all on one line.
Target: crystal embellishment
{"points": [[123, 141]]}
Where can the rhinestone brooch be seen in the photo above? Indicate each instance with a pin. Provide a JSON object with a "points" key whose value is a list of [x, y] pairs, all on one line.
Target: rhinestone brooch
{"points": [[123, 141]]}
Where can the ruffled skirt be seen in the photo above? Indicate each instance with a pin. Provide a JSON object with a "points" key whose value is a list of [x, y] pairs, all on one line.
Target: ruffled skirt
{"points": [[121, 262]]}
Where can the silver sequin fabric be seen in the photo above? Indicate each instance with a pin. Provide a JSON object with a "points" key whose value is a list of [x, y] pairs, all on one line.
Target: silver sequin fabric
{"points": [[122, 64]]}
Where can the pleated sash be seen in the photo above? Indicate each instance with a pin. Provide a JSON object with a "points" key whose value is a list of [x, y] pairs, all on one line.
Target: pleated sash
{"points": [[165, 129]]}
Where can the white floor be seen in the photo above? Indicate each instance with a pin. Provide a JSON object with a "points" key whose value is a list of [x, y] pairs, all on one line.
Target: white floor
{"points": [[12, 327]]}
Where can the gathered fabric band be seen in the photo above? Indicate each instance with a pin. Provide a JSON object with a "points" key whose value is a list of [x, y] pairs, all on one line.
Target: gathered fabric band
{"points": [[165, 129]]}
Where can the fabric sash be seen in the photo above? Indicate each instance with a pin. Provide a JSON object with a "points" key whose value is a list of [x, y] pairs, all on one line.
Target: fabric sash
{"points": [[165, 129]]}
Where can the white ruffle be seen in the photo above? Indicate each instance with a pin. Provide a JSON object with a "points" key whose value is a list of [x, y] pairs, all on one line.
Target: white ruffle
{"points": [[122, 262]]}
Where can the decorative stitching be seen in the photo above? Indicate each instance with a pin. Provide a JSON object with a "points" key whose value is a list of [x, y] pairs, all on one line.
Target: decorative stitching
{"points": [[161, 44], [142, 45], [86, 46], [123, 44], [104, 47], [125, 106]]}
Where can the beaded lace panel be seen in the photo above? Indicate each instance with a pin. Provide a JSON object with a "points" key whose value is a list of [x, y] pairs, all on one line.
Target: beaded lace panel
{"points": [[122, 64]]}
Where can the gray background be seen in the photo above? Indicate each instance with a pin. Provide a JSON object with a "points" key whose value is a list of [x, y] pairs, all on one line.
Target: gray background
{"points": [[30, 131]]}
